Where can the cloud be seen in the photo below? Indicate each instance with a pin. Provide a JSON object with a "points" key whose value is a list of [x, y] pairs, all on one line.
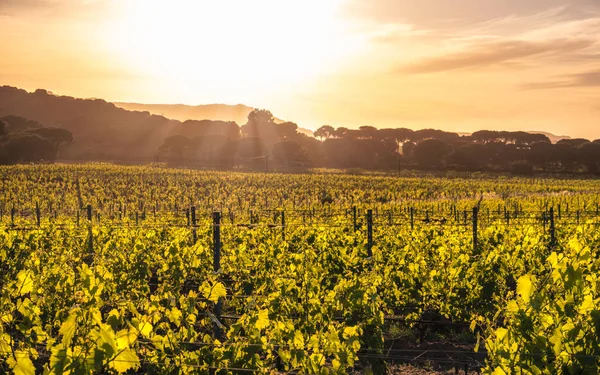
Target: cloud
{"points": [[463, 13], [19, 8], [15, 7], [494, 53], [584, 79]]}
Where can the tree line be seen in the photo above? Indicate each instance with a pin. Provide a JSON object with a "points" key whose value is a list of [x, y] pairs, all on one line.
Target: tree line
{"points": [[261, 143], [61, 127], [23, 140]]}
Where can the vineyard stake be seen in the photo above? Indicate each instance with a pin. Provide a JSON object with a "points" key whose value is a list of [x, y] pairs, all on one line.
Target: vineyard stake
{"points": [[217, 266], [559, 212], [552, 228], [545, 219], [283, 225], [90, 234], [193, 214], [370, 233], [475, 214], [37, 213]]}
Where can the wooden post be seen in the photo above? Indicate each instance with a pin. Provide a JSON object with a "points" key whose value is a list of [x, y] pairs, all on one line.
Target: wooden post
{"points": [[193, 214], [90, 235], [354, 213], [37, 213], [216, 241], [475, 225], [370, 233], [12, 215], [412, 218], [544, 219], [283, 225], [217, 267], [552, 228]]}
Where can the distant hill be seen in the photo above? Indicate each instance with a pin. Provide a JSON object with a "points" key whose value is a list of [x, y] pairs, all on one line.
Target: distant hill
{"points": [[101, 130], [104, 131], [553, 138], [221, 112]]}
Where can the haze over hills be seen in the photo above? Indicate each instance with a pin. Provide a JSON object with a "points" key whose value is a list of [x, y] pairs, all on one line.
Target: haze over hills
{"points": [[101, 131], [223, 112], [553, 138], [216, 112]]}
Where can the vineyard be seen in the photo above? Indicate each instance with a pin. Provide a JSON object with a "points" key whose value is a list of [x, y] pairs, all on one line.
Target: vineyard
{"points": [[112, 269]]}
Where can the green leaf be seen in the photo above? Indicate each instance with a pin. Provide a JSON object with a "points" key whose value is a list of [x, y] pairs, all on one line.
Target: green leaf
{"points": [[263, 319], [25, 282], [21, 364], [125, 360], [217, 291], [501, 334], [107, 336], [587, 305], [525, 288], [145, 329], [174, 316], [473, 325], [298, 340], [58, 360], [67, 329]]}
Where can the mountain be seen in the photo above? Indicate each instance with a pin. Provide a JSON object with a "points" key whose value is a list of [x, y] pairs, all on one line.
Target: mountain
{"points": [[221, 112]]}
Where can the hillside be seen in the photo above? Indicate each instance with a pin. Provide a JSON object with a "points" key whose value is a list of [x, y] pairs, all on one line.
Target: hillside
{"points": [[216, 112], [101, 130], [223, 112]]}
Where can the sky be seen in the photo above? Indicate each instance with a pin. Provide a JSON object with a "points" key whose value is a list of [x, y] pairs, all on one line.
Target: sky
{"points": [[462, 65]]}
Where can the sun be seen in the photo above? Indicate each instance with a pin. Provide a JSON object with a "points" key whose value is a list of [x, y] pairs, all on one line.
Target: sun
{"points": [[224, 45]]}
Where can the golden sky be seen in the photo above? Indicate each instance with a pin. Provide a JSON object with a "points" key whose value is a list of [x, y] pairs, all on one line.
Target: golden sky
{"points": [[459, 65]]}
